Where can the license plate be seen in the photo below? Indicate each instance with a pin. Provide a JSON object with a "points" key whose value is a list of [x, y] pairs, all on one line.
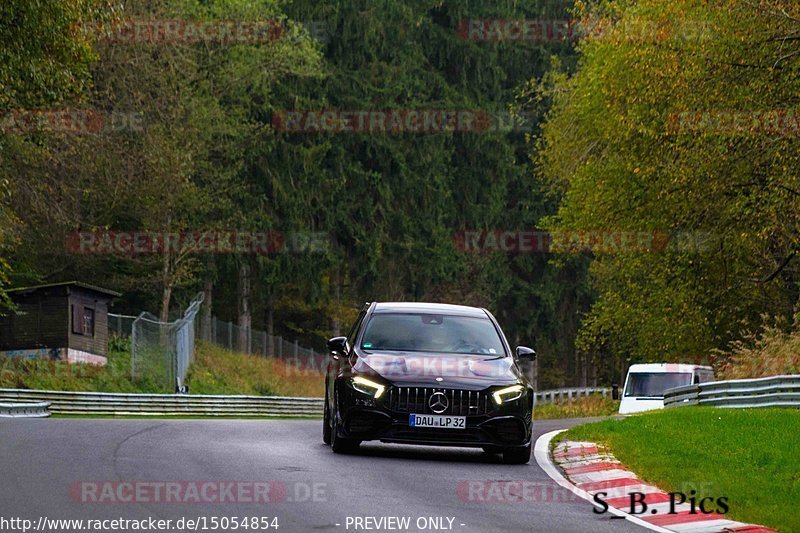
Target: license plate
{"points": [[437, 421]]}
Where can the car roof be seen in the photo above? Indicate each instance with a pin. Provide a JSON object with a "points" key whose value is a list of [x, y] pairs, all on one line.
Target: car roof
{"points": [[425, 307], [659, 368]]}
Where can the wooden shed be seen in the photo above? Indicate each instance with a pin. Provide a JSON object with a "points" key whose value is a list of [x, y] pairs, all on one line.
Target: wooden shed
{"points": [[61, 321]]}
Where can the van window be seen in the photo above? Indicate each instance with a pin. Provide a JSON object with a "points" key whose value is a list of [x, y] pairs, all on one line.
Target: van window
{"points": [[653, 385], [704, 376]]}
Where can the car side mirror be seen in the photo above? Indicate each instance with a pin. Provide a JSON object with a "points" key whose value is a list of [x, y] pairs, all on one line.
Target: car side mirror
{"points": [[525, 353], [338, 345]]}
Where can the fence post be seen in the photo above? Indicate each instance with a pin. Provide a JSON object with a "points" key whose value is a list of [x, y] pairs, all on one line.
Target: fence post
{"points": [[230, 335], [264, 343], [133, 351]]}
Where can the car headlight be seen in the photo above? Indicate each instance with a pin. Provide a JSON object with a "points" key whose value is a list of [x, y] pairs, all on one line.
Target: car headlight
{"points": [[508, 394], [367, 386]]}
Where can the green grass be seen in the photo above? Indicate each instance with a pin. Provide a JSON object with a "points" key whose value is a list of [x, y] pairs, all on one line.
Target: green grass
{"points": [[751, 456], [591, 406], [213, 371], [185, 417], [216, 370], [39, 374]]}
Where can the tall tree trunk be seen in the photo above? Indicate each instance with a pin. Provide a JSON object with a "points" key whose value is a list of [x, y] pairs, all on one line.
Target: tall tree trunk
{"points": [[166, 278], [243, 297]]}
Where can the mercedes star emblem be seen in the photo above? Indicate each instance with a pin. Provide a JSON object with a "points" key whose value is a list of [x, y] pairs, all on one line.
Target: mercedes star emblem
{"points": [[438, 402]]}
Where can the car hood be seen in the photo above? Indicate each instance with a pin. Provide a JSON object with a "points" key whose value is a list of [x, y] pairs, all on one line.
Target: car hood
{"points": [[452, 371]]}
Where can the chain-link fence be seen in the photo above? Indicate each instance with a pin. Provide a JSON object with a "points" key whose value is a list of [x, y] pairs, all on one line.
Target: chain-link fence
{"points": [[120, 325], [254, 342], [162, 351]]}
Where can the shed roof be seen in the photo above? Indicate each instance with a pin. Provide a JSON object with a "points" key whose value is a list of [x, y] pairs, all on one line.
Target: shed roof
{"points": [[80, 284]]}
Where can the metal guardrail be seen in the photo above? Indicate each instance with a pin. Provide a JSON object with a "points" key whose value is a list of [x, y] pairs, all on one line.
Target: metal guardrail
{"points": [[775, 391], [558, 395], [118, 404], [24, 410], [102, 403]]}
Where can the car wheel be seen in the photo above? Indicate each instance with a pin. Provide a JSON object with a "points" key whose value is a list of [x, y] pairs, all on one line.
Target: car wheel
{"points": [[517, 456], [326, 424], [341, 444]]}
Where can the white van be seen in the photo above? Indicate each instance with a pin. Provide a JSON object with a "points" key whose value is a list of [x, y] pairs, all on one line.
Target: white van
{"points": [[646, 383]]}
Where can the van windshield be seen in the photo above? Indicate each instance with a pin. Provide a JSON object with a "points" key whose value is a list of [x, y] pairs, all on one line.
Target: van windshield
{"points": [[653, 385]]}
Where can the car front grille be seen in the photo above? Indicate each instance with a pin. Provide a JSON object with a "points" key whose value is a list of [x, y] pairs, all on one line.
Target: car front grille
{"points": [[415, 400]]}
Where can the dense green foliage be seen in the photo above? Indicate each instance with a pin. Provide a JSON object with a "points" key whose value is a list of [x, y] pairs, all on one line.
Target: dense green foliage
{"points": [[738, 453], [207, 157], [642, 138], [189, 142]]}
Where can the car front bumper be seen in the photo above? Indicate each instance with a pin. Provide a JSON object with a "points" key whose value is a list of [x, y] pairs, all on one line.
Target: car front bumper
{"points": [[501, 430]]}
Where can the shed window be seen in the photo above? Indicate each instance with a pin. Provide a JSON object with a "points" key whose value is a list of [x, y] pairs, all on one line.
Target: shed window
{"points": [[82, 320], [88, 321]]}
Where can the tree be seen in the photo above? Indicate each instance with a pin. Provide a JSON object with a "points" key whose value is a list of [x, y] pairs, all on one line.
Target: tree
{"points": [[678, 122]]}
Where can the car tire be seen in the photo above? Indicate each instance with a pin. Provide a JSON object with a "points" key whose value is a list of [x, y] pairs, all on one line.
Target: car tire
{"points": [[517, 456], [341, 444], [326, 424]]}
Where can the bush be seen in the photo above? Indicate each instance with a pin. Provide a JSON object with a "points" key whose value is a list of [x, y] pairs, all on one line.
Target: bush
{"points": [[772, 352], [588, 406]]}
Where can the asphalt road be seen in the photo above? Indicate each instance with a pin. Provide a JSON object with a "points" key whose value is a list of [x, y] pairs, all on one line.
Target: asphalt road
{"points": [[78, 469]]}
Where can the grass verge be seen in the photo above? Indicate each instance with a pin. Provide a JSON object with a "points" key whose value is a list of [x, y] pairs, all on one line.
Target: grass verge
{"points": [[591, 406], [214, 370], [40, 374], [181, 417], [750, 456]]}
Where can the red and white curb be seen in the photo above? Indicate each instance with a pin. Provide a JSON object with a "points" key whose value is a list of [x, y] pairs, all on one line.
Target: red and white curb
{"points": [[591, 469]]}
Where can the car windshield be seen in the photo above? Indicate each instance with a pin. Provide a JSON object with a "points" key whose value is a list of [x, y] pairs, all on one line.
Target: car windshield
{"points": [[653, 385], [424, 332]]}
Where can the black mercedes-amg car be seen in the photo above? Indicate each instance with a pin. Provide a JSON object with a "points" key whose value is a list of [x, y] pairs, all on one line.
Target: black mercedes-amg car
{"points": [[434, 374]]}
